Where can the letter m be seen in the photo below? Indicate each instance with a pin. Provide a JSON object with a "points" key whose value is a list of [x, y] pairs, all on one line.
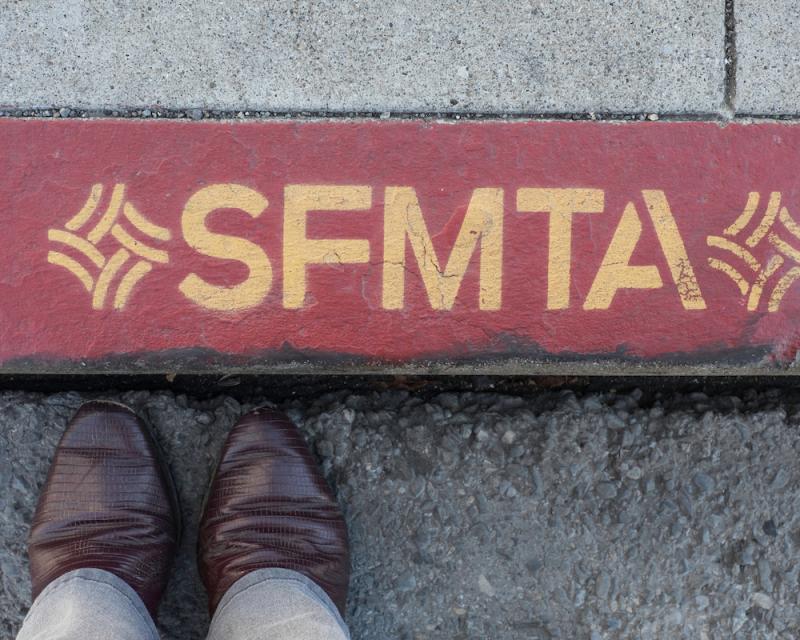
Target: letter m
{"points": [[483, 222]]}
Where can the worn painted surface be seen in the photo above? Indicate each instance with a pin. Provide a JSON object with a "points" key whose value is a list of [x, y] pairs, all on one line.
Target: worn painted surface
{"points": [[401, 245]]}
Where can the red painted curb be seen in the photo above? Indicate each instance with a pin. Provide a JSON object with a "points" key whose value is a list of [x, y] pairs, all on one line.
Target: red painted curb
{"points": [[508, 246]]}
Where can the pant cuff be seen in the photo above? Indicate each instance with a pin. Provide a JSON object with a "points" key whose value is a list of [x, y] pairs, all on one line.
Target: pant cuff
{"points": [[102, 577], [297, 580]]}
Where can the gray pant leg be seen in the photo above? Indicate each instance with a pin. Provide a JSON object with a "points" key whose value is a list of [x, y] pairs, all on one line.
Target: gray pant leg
{"points": [[277, 604], [88, 604]]}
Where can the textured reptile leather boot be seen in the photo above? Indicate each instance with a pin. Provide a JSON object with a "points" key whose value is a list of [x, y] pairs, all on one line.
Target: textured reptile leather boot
{"points": [[269, 506], [108, 504]]}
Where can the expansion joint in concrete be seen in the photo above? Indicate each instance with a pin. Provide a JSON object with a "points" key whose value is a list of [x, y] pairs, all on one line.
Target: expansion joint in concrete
{"points": [[195, 114], [730, 56]]}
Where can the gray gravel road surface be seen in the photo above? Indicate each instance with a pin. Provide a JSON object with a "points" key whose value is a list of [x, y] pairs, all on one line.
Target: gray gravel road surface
{"points": [[482, 515]]}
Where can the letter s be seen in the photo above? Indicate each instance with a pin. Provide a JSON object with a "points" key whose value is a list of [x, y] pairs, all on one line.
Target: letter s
{"points": [[252, 291]]}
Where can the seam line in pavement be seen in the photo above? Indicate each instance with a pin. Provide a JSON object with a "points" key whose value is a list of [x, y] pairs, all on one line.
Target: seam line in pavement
{"points": [[157, 113], [730, 56]]}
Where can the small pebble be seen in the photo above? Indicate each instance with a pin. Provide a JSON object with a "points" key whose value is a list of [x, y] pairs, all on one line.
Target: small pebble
{"points": [[704, 482], [509, 437], [407, 582], [603, 586], [780, 480], [634, 473], [764, 574], [607, 490], [763, 601], [485, 586]]}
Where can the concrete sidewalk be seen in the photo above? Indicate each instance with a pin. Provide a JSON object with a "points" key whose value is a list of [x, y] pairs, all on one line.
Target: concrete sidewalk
{"points": [[691, 57], [370, 56]]}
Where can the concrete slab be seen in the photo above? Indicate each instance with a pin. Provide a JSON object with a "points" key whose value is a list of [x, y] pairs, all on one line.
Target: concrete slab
{"points": [[425, 55], [768, 57]]}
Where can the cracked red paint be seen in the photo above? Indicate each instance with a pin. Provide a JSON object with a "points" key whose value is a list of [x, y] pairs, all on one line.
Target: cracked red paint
{"points": [[260, 245]]}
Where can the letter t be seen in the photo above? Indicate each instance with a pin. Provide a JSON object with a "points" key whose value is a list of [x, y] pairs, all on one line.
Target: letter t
{"points": [[560, 204]]}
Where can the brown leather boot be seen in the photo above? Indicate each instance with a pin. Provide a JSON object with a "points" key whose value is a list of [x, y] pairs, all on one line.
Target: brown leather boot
{"points": [[269, 506], [108, 503]]}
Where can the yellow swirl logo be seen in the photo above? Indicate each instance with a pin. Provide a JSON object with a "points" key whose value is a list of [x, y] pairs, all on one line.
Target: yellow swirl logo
{"points": [[774, 273], [130, 259]]}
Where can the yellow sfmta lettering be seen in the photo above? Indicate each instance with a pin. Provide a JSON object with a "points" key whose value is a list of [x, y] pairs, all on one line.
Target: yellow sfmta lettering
{"points": [[561, 204], [252, 291], [616, 272], [299, 250], [674, 250], [483, 222]]}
